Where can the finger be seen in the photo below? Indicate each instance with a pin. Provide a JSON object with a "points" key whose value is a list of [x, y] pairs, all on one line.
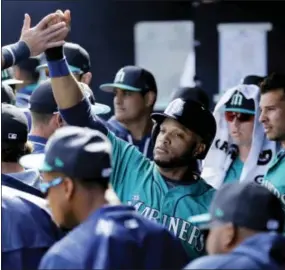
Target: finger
{"points": [[47, 19], [53, 28], [60, 15], [67, 16], [27, 22], [53, 44], [57, 35]]}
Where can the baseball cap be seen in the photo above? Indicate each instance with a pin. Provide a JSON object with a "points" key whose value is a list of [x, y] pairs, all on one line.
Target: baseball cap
{"points": [[7, 77], [76, 152], [132, 78], [192, 115], [239, 103], [42, 100], [77, 58], [246, 205], [7, 94], [14, 127], [253, 79], [194, 93]]}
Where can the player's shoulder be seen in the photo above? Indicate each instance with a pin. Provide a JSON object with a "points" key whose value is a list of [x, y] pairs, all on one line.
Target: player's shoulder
{"points": [[24, 215]]}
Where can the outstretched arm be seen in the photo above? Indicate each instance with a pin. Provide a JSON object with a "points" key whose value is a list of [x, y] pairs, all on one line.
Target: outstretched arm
{"points": [[35, 40]]}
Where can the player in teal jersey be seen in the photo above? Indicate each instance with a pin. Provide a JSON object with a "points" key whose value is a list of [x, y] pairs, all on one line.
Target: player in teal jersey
{"points": [[272, 105], [165, 190]]}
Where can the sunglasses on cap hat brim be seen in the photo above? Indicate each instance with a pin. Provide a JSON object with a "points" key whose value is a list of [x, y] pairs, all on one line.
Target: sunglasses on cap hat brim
{"points": [[241, 117]]}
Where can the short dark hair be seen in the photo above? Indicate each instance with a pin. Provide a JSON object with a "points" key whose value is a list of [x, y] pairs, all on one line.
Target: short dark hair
{"points": [[273, 82], [101, 183], [12, 152]]}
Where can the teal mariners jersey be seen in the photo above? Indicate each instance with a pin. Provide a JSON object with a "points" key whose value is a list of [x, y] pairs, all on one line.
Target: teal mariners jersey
{"points": [[234, 171], [137, 182], [274, 179]]}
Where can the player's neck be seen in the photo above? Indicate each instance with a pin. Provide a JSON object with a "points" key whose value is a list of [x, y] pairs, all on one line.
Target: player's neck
{"points": [[139, 128], [244, 152], [7, 167], [88, 204], [173, 173], [40, 132]]}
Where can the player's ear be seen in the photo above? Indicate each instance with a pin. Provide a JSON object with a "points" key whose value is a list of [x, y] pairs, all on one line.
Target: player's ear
{"points": [[68, 188]]}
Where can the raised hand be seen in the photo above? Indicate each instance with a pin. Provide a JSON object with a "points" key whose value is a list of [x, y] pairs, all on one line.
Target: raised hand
{"points": [[45, 34]]}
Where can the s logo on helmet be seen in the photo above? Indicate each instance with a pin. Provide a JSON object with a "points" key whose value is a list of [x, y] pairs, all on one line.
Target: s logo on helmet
{"points": [[176, 107]]}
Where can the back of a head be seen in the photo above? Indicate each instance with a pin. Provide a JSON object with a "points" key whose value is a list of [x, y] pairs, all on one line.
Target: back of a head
{"points": [[193, 93], [7, 94], [253, 79], [14, 134], [29, 67]]}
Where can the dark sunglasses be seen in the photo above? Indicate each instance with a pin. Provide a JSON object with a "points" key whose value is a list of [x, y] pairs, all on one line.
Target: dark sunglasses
{"points": [[241, 117]]}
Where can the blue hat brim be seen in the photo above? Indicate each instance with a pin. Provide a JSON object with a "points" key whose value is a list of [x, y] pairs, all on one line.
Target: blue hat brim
{"points": [[35, 161], [240, 110], [109, 87], [202, 221]]}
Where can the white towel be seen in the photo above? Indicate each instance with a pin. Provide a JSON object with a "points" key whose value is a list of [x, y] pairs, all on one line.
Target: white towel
{"points": [[219, 157]]}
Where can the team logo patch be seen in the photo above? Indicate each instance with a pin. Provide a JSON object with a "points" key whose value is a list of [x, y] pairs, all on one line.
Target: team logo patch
{"points": [[264, 157], [176, 107]]}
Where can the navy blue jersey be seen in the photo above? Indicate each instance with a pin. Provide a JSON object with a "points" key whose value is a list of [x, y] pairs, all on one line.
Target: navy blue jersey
{"points": [[116, 237], [39, 144], [27, 229]]}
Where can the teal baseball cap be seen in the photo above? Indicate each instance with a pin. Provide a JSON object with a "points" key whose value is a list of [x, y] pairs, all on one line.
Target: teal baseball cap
{"points": [[132, 78], [240, 204], [240, 104]]}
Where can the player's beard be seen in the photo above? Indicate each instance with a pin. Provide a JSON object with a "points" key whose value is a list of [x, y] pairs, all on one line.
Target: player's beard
{"points": [[185, 160]]}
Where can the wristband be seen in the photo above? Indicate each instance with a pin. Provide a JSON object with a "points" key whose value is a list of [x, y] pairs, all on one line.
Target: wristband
{"points": [[54, 54], [15, 53], [58, 68]]}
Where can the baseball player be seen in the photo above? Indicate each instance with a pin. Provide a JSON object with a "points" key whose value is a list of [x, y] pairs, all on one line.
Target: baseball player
{"points": [[103, 236], [164, 190]]}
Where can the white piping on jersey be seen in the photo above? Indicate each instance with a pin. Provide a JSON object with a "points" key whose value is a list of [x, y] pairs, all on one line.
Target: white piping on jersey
{"points": [[146, 144]]}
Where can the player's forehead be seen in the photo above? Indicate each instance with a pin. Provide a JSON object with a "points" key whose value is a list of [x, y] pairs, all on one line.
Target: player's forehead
{"points": [[172, 124]]}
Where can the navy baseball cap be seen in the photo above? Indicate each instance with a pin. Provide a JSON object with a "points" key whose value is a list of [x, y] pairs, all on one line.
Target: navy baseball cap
{"points": [[7, 77], [77, 58], [239, 103], [193, 93], [132, 78], [42, 100], [246, 205], [76, 152], [14, 128], [7, 94]]}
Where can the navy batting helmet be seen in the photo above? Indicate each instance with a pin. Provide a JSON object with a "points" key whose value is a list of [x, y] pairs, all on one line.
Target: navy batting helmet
{"points": [[193, 116]]}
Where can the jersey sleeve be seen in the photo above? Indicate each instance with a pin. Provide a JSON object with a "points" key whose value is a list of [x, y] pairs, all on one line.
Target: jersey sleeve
{"points": [[125, 157], [126, 161], [80, 115]]}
